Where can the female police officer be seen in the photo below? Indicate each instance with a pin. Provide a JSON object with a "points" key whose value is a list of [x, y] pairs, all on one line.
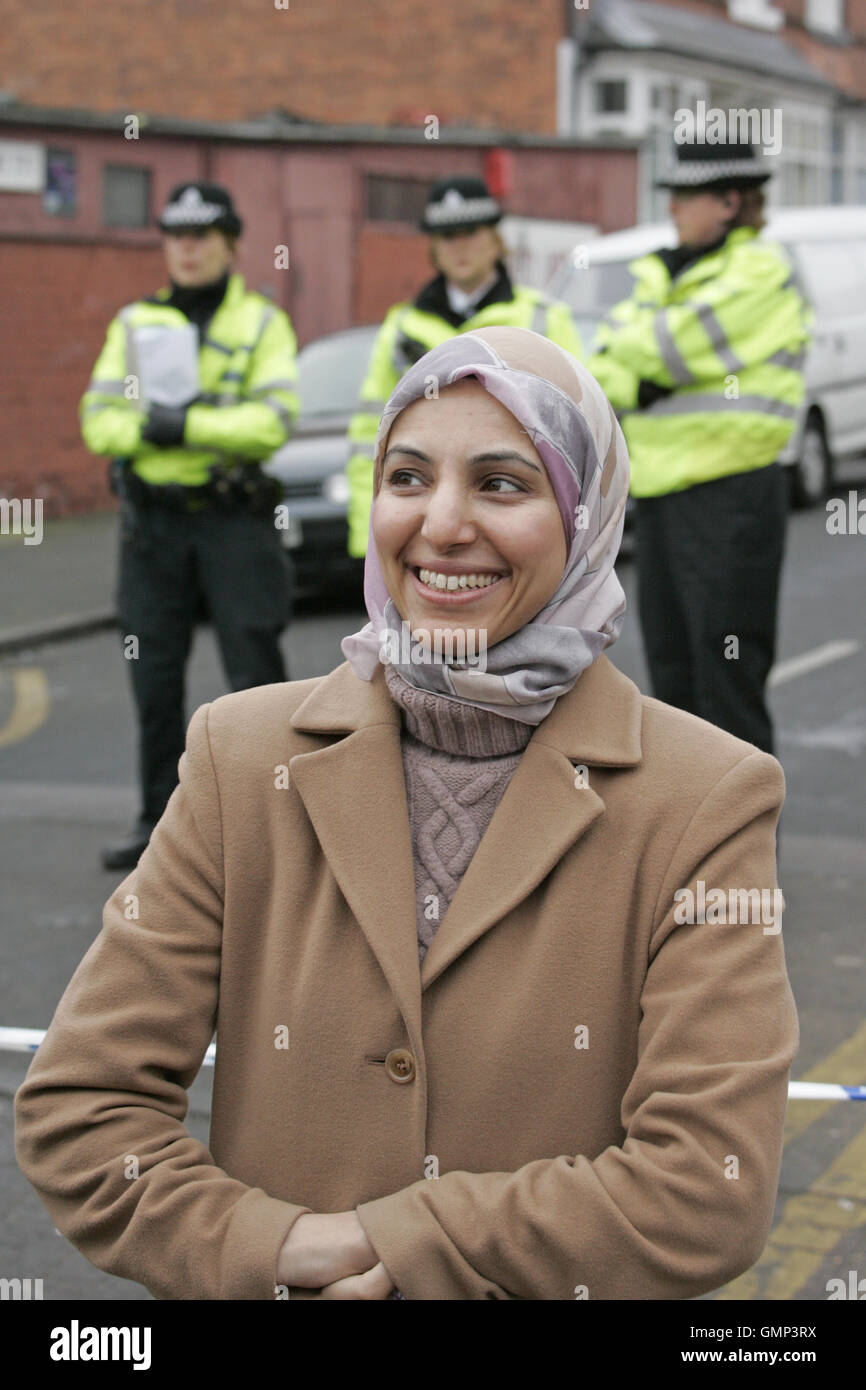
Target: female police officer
{"points": [[198, 520]]}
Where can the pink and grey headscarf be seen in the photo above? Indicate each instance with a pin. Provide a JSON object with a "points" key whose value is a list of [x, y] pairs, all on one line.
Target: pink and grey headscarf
{"points": [[570, 421]]}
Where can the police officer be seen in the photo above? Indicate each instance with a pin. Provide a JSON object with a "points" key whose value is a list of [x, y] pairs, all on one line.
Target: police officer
{"points": [[472, 289], [198, 533], [704, 365]]}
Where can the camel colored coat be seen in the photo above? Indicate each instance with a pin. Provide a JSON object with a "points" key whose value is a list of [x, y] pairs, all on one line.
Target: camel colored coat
{"points": [[575, 1096]]}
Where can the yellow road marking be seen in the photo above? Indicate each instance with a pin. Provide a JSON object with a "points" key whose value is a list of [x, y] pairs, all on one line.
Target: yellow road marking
{"points": [[810, 1226], [812, 1222], [30, 705]]}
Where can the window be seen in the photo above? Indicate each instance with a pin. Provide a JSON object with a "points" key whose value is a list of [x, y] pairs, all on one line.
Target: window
{"points": [[60, 194], [611, 98], [391, 199], [125, 195], [759, 13], [825, 16]]}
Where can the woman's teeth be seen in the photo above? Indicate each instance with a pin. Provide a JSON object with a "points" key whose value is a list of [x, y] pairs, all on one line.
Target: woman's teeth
{"points": [[457, 581]]}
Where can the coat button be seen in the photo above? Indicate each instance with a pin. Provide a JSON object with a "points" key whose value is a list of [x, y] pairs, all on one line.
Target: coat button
{"points": [[400, 1065]]}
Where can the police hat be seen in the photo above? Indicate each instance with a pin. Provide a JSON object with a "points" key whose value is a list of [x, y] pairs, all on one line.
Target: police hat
{"points": [[195, 205], [460, 202], [713, 167]]}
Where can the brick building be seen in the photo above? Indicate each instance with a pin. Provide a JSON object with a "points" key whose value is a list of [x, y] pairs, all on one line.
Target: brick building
{"points": [[328, 121], [80, 241]]}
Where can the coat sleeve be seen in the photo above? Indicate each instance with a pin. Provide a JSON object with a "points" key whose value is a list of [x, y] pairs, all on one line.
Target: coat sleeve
{"points": [[99, 1126], [111, 422], [685, 1202], [737, 320], [262, 420], [381, 378], [562, 330]]}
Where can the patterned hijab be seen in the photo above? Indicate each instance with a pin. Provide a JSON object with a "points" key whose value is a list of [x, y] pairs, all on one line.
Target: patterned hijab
{"points": [[570, 421]]}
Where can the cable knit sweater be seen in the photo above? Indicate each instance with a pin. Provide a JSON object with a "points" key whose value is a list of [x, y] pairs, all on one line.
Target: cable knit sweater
{"points": [[457, 761]]}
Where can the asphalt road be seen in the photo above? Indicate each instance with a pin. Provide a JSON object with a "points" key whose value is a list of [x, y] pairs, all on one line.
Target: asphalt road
{"points": [[66, 785]]}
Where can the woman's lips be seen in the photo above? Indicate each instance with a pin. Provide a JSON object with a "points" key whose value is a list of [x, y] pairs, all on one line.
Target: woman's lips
{"points": [[452, 598]]}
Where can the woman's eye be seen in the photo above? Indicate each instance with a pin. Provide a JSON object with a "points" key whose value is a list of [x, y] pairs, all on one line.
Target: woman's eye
{"points": [[510, 485], [402, 475]]}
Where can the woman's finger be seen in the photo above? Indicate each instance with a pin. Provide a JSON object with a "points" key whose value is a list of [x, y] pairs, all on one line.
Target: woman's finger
{"points": [[374, 1284]]}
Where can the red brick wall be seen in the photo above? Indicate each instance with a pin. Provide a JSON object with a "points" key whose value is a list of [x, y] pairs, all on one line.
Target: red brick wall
{"points": [[62, 281], [60, 299], [490, 63]]}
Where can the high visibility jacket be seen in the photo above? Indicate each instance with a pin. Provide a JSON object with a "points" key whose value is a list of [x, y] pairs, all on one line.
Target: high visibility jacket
{"points": [[407, 333], [728, 338], [247, 403]]}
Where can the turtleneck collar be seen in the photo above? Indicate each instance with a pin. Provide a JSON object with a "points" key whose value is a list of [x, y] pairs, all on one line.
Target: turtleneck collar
{"points": [[453, 726], [199, 302]]}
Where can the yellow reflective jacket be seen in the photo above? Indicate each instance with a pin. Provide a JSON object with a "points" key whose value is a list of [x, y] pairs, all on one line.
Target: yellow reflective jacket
{"points": [[247, 404], [407, 333], [727, 337]]}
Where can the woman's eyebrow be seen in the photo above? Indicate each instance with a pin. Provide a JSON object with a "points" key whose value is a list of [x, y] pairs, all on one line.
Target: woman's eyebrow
{"points": [[407, 449], [502, 456], [489, 456]]}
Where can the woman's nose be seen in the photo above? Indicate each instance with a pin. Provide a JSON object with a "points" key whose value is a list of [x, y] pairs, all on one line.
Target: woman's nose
{"points": [[448, 516]]}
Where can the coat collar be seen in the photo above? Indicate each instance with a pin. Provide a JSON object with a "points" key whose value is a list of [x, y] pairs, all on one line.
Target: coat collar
{"points": [[355, 794], [597, 721]]}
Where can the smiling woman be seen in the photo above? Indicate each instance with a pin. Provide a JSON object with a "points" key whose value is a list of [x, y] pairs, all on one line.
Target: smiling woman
{"points": [[466, 538], [467, 1046]]}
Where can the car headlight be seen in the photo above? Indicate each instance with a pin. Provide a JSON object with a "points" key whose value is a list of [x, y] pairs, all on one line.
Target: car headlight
{"points": [[336, 488]]}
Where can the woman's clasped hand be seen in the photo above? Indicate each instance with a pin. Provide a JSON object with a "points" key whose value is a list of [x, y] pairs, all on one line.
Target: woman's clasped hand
{"points": [[330, 1251]]}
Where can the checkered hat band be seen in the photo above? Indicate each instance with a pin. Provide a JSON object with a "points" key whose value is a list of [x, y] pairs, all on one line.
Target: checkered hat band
{"points": [[709, 170], [467, 210], [192, 214]]}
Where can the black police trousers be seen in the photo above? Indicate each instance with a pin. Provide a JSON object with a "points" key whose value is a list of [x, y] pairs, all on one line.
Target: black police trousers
{"points": [[709, 562], [174, 568]]}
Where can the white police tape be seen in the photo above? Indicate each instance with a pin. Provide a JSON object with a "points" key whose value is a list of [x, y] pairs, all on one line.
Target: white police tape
{"points": [[28, 1039]]}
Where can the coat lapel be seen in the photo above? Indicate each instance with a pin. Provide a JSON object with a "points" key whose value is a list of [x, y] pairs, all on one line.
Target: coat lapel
{"points": [[354, 792], [355, 795]]}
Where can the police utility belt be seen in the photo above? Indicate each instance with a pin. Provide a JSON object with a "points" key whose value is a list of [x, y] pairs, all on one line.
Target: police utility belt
{"points": [[238, 487]]}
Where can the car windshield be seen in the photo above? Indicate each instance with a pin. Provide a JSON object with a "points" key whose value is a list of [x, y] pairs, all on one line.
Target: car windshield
{"points": [[330, 372], [590, 291]]}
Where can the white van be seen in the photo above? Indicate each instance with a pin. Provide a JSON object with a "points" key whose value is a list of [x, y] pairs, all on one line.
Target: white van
{"points": [[828, 247]]}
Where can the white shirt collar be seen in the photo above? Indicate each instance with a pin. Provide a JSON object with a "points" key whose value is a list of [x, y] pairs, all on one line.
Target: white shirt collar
{"points": [[461, 301]]}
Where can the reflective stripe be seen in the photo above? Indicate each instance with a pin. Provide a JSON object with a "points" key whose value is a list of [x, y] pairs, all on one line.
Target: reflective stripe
{"points": [[368, 449], [108, 388], [538, 322], [267, 314], [277, 384], [718, 337], [784, 358], [697, 402], [219, 347], [279, 408], [233, 376], [670, 353]]}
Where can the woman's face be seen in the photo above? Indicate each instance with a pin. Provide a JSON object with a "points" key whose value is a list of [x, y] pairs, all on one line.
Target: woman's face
{"points": [[467, 258], [465, 496]]}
